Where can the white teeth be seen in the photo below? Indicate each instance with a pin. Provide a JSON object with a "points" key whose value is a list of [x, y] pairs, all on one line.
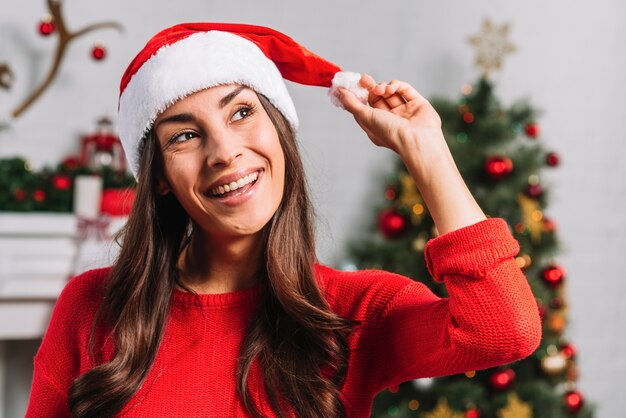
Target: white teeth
{"points": [[234, 185]]}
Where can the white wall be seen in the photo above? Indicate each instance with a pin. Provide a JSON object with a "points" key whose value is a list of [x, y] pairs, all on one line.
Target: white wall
{"points": [[568, 63]]}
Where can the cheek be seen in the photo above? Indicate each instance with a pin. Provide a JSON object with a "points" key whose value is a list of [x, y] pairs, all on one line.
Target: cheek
{"points": [[180, 170]]}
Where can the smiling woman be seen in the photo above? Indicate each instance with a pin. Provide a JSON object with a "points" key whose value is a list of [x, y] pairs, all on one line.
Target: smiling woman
{"points": [[216, 305]]}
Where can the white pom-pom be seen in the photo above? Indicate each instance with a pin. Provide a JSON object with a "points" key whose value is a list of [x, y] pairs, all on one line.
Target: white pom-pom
{"points": [[350, 81]]}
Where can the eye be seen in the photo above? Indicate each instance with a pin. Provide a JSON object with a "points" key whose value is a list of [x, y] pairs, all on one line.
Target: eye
{"points": [[243, 112], [182, 137]]}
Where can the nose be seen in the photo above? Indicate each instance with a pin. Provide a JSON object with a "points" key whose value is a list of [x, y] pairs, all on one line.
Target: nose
{"points": [[223, 150]]}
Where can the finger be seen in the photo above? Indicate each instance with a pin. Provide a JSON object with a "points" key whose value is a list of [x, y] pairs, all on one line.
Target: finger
{"points": [[351, 103], [408, 91], [367, 81], [376, 98], [391, 95]]}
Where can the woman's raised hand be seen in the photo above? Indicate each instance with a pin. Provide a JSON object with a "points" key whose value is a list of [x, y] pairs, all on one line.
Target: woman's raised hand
{"points": [[399, 118]]}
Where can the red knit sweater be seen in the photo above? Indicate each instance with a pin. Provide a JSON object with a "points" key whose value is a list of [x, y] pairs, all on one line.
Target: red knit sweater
{"points": [[490, 318]]}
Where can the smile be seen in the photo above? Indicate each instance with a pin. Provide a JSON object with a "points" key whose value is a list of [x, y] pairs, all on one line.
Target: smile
{"points": [[234, 185]]}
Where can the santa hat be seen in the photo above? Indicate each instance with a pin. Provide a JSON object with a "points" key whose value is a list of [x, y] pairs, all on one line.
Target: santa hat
{"points": [[190, 57]]}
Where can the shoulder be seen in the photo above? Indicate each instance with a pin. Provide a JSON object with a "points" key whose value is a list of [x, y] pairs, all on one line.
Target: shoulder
{"points": [[359, 294], [84, 291], [76, 306], [63, 350]]}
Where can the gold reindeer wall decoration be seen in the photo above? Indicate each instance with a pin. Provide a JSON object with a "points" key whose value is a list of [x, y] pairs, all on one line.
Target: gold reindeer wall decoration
{"points": [[64, 38]]}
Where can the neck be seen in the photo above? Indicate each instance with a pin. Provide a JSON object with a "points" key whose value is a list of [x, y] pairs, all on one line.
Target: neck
{"points": [[208, 265]]}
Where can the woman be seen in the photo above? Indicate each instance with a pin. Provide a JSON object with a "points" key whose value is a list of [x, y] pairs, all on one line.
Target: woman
{"points": [[216, 306]]}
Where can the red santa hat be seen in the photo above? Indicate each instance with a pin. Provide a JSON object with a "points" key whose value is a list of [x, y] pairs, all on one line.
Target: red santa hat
{"points": [[190, 57]]}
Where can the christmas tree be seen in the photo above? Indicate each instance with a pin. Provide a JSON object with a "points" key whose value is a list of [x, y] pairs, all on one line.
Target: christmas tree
{"points": [[500, 155]]}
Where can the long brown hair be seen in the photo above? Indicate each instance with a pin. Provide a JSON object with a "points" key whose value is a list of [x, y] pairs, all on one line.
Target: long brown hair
{"points": [[300, 343]]}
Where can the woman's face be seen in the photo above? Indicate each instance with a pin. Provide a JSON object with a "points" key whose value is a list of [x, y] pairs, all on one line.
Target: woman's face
{"points": [[222, 160]]}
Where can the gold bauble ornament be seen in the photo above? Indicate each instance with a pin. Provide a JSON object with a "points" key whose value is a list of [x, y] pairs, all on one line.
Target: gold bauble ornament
{"points": [[443, 410], [556, 323], [516, 408]]}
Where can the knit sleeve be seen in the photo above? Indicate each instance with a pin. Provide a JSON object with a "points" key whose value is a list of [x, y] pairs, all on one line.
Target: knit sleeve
{"points": [[62, 351], [490, 317]]}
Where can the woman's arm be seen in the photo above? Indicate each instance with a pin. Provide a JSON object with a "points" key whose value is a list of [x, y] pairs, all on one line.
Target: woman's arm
{"points": [[491, 316], [400, 119]]}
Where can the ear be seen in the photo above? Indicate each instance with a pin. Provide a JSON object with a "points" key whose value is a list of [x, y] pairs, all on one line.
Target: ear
{"points": [[163, 187]]}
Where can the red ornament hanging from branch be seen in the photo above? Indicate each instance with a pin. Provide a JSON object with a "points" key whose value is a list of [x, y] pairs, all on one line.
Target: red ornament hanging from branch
{"points": [[57, 26], [498, 166], [532, 130], [553, 275], [46, 26], [574, 401], [98, 52], [392, 223], [502, 379]]}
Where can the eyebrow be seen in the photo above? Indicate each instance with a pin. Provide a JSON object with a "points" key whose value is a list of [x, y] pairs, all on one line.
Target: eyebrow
{"points": [[188, 117], [230, 96], [181, 117]]}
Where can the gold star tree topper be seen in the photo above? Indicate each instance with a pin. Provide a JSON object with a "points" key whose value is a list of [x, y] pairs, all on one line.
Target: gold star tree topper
{"points": [[491, 45]]}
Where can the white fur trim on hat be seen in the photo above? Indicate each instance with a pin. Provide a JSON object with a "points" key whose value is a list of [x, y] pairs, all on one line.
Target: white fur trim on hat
{"points": [[350, 81], [200, 61]]}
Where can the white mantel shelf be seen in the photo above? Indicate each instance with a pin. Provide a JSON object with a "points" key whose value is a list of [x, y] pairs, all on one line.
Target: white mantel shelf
{"points": [[38, 255]]}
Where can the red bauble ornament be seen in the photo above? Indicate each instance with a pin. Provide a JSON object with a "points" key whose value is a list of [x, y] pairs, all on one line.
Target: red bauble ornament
{"points": [[556, 302], [553, 275], [472, 413], [46, 27], [502, 379], [532, 130], [534, 190], [548, 224], [468, 117], [568, 350], [391, 223], [61, 182], [390, 193], [574, 401], [498, 166], [19, 195], [39, 195], [98, 52], [71, 163], [117, 202], [553, 159]]}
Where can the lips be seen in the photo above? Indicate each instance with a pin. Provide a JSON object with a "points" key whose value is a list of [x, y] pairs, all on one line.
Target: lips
{"points": [[234, 183]]}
